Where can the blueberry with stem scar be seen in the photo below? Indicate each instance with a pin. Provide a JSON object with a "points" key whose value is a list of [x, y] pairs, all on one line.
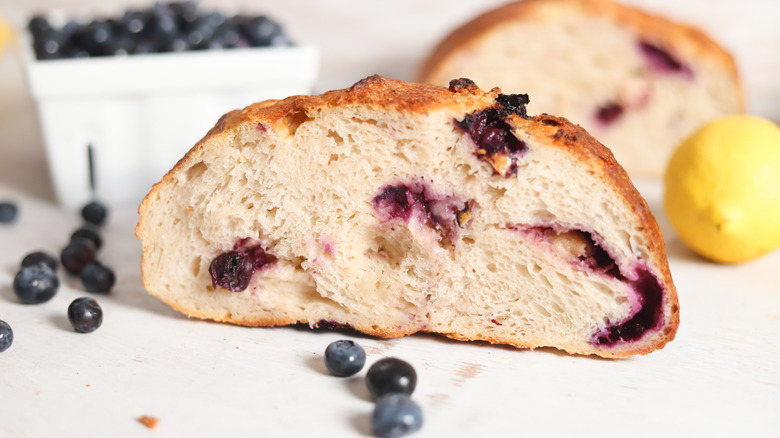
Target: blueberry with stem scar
{"points": [[85, 314], [35, 284], [344, 358]]}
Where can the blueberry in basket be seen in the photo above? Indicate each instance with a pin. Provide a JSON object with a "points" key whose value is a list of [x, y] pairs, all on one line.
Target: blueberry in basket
{"points": [[163, 27]]}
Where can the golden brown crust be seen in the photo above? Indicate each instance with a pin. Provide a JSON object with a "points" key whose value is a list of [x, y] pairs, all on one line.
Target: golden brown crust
{"points": [[656, 29], [396, 95]]}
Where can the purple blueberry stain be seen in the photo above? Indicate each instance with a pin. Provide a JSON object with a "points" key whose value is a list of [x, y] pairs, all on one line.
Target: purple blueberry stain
{"points": [[494, 140], [586, 249], [648, 316], [663, 61], [233, 270], [330, 325], [609, 113], [417, 202]]}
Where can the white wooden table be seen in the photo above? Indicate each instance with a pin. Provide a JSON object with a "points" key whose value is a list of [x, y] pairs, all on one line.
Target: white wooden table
{"points": [[719, 377]]}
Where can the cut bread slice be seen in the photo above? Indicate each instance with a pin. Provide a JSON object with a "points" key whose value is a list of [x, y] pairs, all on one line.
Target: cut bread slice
{"points": [[637, 82], [396, 208]]}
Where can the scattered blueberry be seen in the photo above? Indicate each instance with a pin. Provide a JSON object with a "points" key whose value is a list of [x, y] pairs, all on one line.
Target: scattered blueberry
{"points": [[90, 232], [389, 376], [94, 213], [35, 284], [78, 254], [6, 336], [8, 212], [85, 314], [40, 258], [97, 278], [344, 358], [396, 415]]}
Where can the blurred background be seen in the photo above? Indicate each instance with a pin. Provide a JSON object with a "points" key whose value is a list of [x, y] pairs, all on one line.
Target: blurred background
{"points": [[359, 38]]}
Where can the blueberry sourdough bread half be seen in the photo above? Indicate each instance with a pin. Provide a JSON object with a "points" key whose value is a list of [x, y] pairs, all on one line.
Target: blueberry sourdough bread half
{"points": [[394, 208], [637, 82]]}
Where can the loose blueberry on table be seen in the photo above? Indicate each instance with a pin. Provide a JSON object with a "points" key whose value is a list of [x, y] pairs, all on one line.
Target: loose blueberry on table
{"points": [[40, 258], [389, 376], [78, 254], [88, 231], [35, 284], [85, 314], [94, 213], [8, 212], [344, 358], [6, 336], [98, 278], [396, 415]]}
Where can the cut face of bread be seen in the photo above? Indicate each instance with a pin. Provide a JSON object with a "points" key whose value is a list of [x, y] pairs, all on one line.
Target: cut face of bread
{"points": [[639, 83], [396, 208]]}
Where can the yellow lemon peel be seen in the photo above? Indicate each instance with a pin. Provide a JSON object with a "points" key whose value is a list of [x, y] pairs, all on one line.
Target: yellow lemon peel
{"points": [[722, 189]]}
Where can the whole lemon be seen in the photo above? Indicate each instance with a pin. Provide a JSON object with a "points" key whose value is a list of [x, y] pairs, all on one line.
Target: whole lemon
{"points": [[722, 189]]}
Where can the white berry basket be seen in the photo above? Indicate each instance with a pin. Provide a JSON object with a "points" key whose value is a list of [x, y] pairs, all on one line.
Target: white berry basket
{"points": [[133, 117]]}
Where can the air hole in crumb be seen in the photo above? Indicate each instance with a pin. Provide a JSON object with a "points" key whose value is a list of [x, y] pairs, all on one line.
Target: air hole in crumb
{"points": [[295, 120], [196, 267], [468, 240], [496, 192], [402, 156], [491, 267], [336, 137], [195, 171], [391, 250]]}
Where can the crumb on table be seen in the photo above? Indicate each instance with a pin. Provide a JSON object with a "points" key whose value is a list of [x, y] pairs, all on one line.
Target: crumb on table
{"points": [[150, 422]]}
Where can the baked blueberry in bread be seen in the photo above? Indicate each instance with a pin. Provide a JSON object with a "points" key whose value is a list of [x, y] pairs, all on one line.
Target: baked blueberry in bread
{"points": [[637, 82], [394, 208]]}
